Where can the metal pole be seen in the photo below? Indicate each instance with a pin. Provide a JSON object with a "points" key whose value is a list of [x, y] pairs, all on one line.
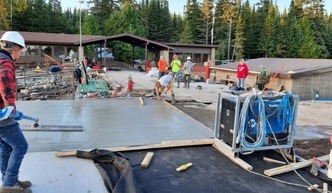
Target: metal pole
{"points": [[11, 14], [229, 39], [213, 21], [80, 50]]}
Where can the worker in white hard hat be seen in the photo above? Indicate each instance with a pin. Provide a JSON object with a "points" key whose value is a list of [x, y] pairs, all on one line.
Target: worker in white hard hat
{"points": [[13, 143], [187, 71]]}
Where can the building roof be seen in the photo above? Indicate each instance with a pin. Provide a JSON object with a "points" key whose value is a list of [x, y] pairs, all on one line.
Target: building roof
{"points": [[285, 67], [140, 41], [191, 45], [40, 38]]}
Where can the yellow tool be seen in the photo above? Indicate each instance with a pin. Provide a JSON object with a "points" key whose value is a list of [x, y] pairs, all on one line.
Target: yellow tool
{"points": [[184, 167]]}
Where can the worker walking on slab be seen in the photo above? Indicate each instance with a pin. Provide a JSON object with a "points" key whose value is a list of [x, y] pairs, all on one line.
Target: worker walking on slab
{"points": [[242, 73], [165, 84], [187, 70], [176, 65], [13, 145]]}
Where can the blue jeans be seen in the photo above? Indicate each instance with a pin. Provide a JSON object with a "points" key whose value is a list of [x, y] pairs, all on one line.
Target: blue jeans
{"points": [[177, 75], [161, 74], [13, 147], [240, 82], [53, 76]]}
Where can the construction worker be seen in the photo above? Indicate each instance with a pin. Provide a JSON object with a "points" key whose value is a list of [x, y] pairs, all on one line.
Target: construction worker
{"points": [[13, 145], [165, 84], [262, 78], [54, 70], [162, 66], [187, 70], [176, 64]]}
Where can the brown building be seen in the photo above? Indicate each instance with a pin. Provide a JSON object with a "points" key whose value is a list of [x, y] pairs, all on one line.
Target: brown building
{"points": [[308, 78], [66, 46]]}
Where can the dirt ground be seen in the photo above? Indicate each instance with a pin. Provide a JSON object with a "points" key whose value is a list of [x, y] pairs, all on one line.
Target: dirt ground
{"points": [[309, 114]]}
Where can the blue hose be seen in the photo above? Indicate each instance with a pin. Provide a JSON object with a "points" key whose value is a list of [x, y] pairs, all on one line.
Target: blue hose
{"points": [[260, 126]]}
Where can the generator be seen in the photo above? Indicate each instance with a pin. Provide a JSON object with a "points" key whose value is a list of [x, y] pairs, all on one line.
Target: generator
{"points": [[248, 121]]}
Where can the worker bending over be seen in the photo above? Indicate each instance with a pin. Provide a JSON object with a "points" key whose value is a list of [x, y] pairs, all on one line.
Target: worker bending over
{"points": [[54, 70], [165, 84]]}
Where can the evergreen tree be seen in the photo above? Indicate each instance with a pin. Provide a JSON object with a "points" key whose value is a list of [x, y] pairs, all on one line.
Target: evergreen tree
{"points": [[304, 30], [102, 9], [175, 28], [250, 31], [125, 21], [10, 11], [36, 16], [314, 10], [267, 43], [282, 30], [193, 24], [239, 39], [56, 19], [220, 31], [207, 15], [308, 46]]}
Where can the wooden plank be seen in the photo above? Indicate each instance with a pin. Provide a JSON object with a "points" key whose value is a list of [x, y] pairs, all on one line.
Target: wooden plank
{"points": [[325, 188], [293, 166], [147, 159], [287, 155], [273, 160], [227, 151], [165, 144], [141, 100]]}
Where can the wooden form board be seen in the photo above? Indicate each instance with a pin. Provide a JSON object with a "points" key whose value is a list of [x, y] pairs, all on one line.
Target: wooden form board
{"points": [[293, 166], [220, 146], [164, 144], [227, 151]]}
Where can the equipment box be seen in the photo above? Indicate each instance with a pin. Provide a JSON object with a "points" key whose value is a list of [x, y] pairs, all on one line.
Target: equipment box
{"points": [[257, 123]]}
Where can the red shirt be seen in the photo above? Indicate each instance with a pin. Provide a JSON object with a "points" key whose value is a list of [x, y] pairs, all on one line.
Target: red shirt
{"points": [[7, 81], [242, 70]]}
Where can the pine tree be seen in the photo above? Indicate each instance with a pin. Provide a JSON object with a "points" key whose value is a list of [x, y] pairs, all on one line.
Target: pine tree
{"points": [[308, 46], [207, 15]]}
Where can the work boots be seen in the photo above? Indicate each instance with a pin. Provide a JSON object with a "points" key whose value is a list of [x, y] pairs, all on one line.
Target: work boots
{"points": [[173, 99], [14, 189], [24, 184]]}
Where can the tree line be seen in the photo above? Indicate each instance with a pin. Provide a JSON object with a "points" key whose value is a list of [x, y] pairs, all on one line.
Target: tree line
{"points": [[239, 29]]}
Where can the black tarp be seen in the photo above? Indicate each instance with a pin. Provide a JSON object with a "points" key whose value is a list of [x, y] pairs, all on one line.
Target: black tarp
{"points": [[211, 172], [114, 168]]}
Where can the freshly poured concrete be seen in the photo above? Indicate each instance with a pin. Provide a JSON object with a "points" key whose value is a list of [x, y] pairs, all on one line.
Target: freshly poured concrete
{"points": [[106, 123]]}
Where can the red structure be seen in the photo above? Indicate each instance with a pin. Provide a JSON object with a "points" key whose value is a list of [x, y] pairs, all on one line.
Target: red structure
{"points": [[130, 85]]}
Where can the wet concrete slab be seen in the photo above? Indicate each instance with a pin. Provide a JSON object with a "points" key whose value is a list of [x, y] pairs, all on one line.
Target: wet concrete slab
{"points": [[107, 123]]}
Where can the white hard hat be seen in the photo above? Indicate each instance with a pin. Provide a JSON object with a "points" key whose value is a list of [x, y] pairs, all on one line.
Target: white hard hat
{"points": [[188, 58], [14, 37]]}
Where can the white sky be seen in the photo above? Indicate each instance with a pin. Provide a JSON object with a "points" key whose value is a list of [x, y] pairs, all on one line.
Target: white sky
{"points": [[178, 5]]}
